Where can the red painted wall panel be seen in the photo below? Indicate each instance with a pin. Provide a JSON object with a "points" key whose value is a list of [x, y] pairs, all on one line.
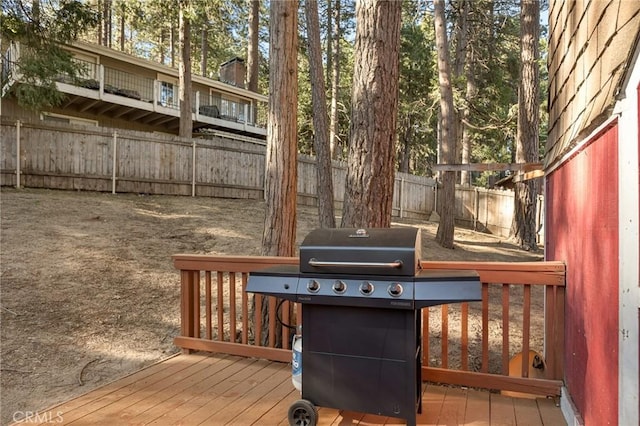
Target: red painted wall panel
{"points": [[582, 230]]}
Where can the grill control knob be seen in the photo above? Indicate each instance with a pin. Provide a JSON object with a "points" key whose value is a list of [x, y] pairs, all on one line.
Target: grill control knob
{"points": [[313, 286], [395, 289], [339, 286], [366, 288]]}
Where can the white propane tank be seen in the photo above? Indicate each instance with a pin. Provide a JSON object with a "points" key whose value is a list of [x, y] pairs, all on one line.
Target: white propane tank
{"points": [[296, 362]]}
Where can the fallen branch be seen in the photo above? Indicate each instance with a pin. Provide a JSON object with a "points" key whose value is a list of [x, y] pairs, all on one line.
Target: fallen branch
{"points": [[80, 382], [13, 370], [10, 311]]}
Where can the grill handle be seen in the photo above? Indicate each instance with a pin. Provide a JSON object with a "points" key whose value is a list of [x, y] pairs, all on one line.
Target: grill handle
{"points": [[320, 263]]}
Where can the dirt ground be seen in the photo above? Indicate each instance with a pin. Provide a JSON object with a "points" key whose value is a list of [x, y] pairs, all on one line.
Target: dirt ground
{"points": [[88, 289]]}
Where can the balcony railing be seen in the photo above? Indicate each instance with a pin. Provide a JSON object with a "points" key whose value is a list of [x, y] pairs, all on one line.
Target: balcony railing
{"points": [[217, 315], [160, 94]]}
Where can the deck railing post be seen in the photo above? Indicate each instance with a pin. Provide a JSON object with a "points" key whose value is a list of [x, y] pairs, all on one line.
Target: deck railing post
{"points": [[190, 306], [554, 331]]}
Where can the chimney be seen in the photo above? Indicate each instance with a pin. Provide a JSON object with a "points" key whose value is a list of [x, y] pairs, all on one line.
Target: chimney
{"points": [[233, 72]]}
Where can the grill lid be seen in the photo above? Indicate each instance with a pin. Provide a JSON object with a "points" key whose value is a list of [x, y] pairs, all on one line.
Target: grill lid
{"points": [[374, 251]]}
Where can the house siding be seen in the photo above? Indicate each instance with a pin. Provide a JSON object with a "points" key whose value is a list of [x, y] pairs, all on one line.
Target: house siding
{"points": [[589, 44], [582, 230]]}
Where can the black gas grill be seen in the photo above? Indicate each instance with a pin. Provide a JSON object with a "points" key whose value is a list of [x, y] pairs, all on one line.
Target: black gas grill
{"points": [[362, 292]]}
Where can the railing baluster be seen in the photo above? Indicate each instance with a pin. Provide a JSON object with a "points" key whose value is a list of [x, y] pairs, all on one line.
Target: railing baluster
{"points": [[272, 321], [505, 329], [257, 319], [232, 307], [444, 333], [425, 336], [207, 302], [286, 306], [196, 304], [526, 329], [485, 328], [220, 288], [464, 336], [550, 325], [245, 310]]}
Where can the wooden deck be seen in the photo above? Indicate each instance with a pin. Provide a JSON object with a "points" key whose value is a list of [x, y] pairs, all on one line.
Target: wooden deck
{"points": [[216, 389]]}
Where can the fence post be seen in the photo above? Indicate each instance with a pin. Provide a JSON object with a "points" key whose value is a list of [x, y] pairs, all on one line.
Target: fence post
{"points": [[115, 163], [401, 198], [476, 208], [18, 160], [193, 170]]}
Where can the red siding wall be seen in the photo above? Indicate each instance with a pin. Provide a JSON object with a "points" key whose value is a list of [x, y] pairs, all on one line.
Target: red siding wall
{"points": [[582, 230]]}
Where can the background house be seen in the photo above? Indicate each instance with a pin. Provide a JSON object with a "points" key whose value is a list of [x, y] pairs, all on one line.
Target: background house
{"points": [[592, 173], [119, 90]]}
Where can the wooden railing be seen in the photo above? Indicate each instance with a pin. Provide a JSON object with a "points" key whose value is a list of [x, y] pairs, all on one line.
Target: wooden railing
{"points": [[217, 315]]}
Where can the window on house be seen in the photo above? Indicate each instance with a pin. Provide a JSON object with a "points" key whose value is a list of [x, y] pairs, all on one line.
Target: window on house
{"points": [[167, 94], [168, 91]]}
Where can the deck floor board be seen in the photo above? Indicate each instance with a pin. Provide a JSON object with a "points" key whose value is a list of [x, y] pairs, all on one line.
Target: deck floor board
{"points": [[214, 389]]}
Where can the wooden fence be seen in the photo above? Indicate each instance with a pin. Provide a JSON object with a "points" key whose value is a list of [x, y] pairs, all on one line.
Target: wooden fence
{"points": [[522, 308], [62, 156]]}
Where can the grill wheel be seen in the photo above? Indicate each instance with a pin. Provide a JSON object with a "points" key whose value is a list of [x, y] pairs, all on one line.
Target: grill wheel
{"points": [[303, 413]]}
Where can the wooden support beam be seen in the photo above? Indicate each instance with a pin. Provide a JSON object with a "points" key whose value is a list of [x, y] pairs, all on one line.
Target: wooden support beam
{"points": [[521, 177], [483, 167]]}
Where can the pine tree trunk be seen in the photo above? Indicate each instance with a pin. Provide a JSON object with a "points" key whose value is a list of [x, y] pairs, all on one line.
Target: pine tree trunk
{"points": [[186, 119], [523, 227], [123, 37], [161, 46], [462, 48], [204, 50], [320, 123], [172, 45], [329, 40], [106, 23], [371, 161], [281, 171], [335, 82], [252, 48], [447, 129], [253, 53]]}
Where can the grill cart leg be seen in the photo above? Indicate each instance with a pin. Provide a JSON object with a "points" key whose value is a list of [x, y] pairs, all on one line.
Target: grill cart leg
{"points": [[303, 413]]}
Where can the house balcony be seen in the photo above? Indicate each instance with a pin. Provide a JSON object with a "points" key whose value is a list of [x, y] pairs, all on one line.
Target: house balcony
{"points": [[109, 93]]}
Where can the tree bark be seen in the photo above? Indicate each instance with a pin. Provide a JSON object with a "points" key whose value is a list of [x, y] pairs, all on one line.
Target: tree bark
{"points": [[461, 65], [123, 37], [204, 49], [186, 119], [320, 123], [253, 54], [371, 161], [172, 45], [523, 227], [447, 130], [281, 171], [329, 40], [252, 48], [335, 81], [106, 23]]}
